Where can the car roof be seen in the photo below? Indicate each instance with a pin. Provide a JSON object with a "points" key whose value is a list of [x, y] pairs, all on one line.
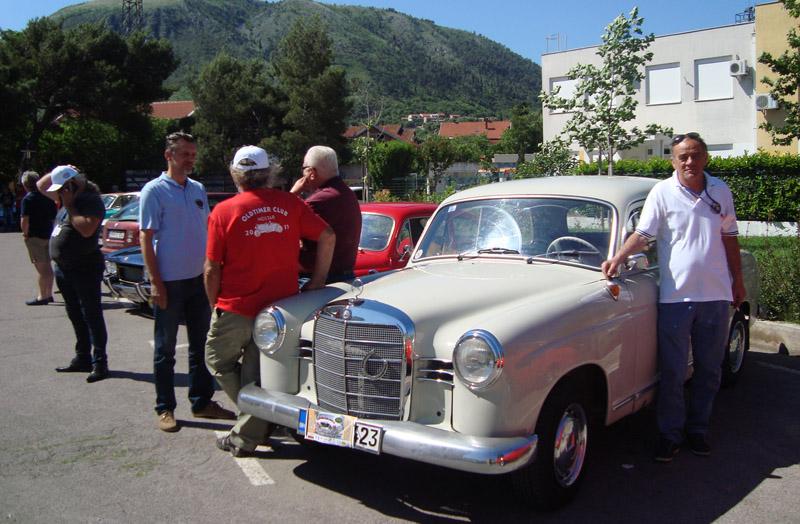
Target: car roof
{"points": [[402, 207], [614, 189]]}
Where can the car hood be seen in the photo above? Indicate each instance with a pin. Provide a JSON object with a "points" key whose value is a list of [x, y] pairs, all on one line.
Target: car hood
{"points": [[451, 297], [129, 255]]}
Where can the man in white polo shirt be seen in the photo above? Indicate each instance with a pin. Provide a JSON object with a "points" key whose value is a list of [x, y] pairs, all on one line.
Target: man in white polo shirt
{"points": [[691, 217]]}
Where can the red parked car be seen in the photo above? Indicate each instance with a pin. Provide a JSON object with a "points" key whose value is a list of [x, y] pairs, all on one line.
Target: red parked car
{"points": [[389, 232], [122, 230]]}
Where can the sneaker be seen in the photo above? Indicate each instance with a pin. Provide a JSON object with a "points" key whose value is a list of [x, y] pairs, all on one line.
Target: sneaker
{"points": [[214, 410], [166, 422], [39, 301], [225, 444], [666, 450], [698, 444]]}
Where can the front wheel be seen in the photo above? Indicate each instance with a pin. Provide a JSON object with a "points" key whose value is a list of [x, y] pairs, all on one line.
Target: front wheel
{"points": [[552, 478], [736, 350]]}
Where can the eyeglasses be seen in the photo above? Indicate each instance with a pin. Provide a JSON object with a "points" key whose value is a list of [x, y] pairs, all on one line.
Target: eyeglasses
{"points": [[677, 139]]}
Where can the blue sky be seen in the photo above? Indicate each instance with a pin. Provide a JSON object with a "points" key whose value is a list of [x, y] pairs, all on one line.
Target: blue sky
{"points": [[521, 25]]}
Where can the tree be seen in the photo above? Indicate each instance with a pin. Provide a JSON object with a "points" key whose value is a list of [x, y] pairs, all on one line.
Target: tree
{"points": [[367, 109], [604, 96], [89, 71], [784, 87], [236, 105], [435, 155], [390, 160], [472, 148], [525, 133], [554, 158], [316, 105]]}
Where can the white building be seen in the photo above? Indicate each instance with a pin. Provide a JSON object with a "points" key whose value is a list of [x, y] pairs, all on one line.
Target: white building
{"points": [[700, 81]]}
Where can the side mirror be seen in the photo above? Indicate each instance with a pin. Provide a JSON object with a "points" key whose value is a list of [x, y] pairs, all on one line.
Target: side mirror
{"points": [[637, 262]]}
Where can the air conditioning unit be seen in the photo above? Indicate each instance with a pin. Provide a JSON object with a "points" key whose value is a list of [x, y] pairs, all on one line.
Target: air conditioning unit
{"points": [[765, 101], [738, 68]]}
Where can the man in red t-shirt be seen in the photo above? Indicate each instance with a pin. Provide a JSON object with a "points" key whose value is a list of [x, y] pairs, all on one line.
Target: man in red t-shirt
{"points": [[251, 261]]}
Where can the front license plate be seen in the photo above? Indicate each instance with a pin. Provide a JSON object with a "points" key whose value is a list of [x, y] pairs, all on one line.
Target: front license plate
{"points": [[116, 235], [340, 430]]}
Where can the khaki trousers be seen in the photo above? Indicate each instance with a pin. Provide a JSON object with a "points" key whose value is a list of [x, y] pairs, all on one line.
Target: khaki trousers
{"points": [[232, 358]]}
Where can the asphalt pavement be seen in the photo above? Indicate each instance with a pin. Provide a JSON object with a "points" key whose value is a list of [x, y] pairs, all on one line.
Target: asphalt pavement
{"points": [[77, 452]]}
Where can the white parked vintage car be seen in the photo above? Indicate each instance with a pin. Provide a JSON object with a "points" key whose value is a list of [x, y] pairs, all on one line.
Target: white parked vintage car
{"points": [[496, 350]]}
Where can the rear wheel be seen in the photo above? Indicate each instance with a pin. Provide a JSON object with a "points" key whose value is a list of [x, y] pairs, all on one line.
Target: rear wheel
{"points": [[736, 350], [552, 478]]}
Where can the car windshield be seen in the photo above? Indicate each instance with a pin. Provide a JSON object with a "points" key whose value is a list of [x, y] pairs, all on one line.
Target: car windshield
{"points": [[376, 231], [568, 230], [107, 200], [128, 213]]}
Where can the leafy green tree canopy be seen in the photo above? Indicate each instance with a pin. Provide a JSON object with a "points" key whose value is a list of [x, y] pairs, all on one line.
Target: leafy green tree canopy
{"points": [[554, 158], [47, 72], [604, 95], [525, 133], [316, 94], [784, 88], [434, 156], [237, 105], [390, 160]]}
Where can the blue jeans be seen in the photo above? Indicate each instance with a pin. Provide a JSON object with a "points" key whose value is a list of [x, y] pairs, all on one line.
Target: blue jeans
{"points": [[186, 299], [703, 327], [80, 289]]}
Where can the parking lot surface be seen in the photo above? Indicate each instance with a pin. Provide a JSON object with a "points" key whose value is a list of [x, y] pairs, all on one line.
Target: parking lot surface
{"points": [[77, 452]]}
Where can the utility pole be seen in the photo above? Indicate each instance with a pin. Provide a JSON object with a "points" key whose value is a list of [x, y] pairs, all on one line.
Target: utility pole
{"points": [[132, 19]]}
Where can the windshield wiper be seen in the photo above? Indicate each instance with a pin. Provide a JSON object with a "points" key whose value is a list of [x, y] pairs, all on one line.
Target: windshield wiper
{"points": [[498, 251]]}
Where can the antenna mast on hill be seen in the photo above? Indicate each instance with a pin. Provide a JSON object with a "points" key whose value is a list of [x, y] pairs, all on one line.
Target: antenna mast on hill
{"points": [[131, 16]]}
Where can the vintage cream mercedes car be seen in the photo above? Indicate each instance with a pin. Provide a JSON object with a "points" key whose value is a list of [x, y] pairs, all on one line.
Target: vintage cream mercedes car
{"points": [[496, 350]]}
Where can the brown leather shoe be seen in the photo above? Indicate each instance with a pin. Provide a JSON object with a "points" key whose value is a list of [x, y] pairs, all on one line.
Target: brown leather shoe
{"points": [[166, 422], [214, 410]]}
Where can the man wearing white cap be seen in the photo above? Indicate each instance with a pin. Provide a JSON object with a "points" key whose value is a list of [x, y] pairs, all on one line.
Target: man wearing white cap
{"points": [[75, 249], [251, 261], [172, 216]]}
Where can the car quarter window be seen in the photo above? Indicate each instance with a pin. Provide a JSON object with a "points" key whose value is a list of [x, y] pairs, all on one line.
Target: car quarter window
{"points": [[630, 226]]}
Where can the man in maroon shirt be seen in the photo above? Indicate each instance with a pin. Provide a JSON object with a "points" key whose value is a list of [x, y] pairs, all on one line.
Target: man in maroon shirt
{"points": [[336, 203]]}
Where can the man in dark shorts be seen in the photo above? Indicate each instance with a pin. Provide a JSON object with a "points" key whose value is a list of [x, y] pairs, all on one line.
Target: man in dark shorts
{"points": [[336, 203], [36, 221], [79, 265]]}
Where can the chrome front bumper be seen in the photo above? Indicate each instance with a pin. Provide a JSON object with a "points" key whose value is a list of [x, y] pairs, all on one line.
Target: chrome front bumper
{"points": [[133, 291], [485, 455]]}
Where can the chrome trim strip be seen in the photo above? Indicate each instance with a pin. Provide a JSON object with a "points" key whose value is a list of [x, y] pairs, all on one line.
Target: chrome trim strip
{"points": [[410, 440], [635, 396]]}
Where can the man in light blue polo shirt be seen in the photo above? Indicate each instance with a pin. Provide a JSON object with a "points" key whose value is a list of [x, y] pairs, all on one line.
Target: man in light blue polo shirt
{"points": [[172, 218]]}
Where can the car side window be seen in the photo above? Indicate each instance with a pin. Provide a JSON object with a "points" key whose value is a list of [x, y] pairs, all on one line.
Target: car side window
{"points": [[404, 237]]}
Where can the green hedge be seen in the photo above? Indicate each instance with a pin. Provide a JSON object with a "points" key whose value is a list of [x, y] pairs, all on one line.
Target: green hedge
{"points": [[765, 187]]}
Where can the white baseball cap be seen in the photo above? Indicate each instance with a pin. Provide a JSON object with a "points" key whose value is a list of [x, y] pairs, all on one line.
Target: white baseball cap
{"points": [[248, 158], [59, 177]]}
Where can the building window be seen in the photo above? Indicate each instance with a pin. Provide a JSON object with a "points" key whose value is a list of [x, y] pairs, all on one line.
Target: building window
{"points": [[712, 78], [720, 150], [664, 84], [567, 90]]}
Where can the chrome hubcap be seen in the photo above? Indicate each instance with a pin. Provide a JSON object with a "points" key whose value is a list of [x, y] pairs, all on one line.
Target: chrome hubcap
{"points": [[569, 447], [736, 348]]}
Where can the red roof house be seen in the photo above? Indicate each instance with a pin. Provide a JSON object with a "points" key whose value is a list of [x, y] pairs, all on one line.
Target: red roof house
{"points": [[492, 129], [172, 110]]}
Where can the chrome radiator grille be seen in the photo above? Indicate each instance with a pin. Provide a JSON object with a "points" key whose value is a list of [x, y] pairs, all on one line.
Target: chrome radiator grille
{"points": [[359, 368]]}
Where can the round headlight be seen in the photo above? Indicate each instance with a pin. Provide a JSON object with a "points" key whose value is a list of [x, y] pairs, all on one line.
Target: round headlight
{"points": [[269, 330], [478, 359]]}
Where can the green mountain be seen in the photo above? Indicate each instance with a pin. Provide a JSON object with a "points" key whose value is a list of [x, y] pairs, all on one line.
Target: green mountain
{"points": [[415, 65]]}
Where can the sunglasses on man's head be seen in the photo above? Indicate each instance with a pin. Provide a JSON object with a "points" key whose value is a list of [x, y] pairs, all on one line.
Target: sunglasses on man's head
{"points": [[677, 139]]}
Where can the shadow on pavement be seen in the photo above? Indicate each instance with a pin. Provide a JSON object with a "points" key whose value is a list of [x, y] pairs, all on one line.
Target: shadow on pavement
{"points": [[755, 436]]}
